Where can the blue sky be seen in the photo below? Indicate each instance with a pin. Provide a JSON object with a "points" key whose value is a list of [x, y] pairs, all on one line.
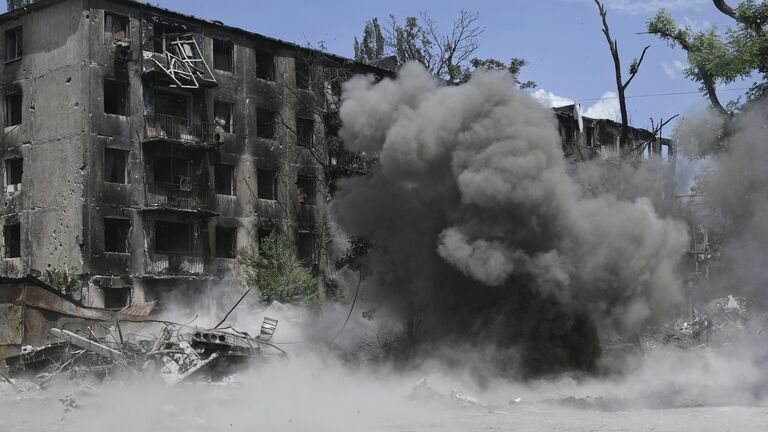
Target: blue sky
{"points": [[562, 39]]}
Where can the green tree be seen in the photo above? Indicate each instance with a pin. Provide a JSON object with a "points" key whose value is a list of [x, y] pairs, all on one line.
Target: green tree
{"points": [[372, 46], [721, 58], [274, 270], [449, 56]]}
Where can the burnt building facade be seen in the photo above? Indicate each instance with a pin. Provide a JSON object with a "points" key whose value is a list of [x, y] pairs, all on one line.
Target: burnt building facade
{"points": [[143, 148]]}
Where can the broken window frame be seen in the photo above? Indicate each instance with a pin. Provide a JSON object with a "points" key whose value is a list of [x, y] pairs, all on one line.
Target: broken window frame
{"points": [[225, 48], [268, 191], [12, 240], [14, 44], [120, 90], [219, 107], [226, 242], [110, 296], [219, 174], [301, 248], [111, 20], [13, 179], [265, 65], [305, 132], [122, 228], [13, 108], [114, 158], [167, 228], [265, 124], [306, 187], [181, 177], [302, 74]]}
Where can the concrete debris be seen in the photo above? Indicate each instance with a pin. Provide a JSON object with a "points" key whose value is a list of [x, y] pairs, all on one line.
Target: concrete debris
{"points": [[177, 355], [717, 323]]}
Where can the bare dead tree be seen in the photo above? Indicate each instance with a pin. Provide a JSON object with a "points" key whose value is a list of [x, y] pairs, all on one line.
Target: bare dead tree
{"points": [[621, 85], [656, 134]]}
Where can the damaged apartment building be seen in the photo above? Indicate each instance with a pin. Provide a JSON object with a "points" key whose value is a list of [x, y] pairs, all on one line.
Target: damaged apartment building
{"points": [[143, 148]]}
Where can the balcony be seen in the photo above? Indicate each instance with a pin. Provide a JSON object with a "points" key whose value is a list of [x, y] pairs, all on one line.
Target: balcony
{"points": [[175, 264], [161, 127], [172, 196]]}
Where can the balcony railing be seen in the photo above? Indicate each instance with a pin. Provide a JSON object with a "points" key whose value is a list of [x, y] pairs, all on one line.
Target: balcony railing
{"points": [[166, 263], [175, 196], [178, 129]]}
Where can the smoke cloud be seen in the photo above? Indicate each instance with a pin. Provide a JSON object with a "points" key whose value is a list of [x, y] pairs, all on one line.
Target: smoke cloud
{"points": [[481, 232]]}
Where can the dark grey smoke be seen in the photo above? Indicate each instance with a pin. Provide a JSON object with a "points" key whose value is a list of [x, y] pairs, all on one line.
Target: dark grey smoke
{"points": [[482, 236]]}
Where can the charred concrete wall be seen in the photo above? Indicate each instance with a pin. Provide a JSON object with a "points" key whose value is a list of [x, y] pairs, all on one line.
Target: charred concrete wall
{"points": [[49, 73]]}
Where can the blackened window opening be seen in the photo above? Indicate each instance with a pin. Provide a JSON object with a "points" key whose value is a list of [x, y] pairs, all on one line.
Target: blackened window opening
{"points": [[14, 171], [305, 248], [12, 240], [226, 242], [222, 112], [116, 27], [171, 170], [14, 42], [116, 298], [306, 188], [266, 184], [116, 235], [225, 179], [305, 130], [12, 109], [115, 165], [265, 124], [302, 75], [265, 66], [223, 55], [115, 97], [173, 237]]}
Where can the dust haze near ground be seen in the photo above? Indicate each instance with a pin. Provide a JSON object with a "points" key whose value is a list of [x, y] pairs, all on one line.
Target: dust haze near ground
{"points": [[347, 385]]}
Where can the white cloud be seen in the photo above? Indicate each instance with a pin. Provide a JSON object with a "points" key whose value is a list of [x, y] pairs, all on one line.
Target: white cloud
{"points": [[671, 70], [551, 100], [634, 7], [668, 70], [606, 108]]}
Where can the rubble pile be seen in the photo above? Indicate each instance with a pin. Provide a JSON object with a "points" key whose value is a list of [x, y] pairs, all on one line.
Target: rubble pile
{"points": [[718, 322], [178, 354]]}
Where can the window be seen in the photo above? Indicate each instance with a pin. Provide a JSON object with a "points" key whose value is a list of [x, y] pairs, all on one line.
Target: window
{"points": [[223, 52], [115, 166], [306, 188], [305, 130], [225, 179], [302, 75], [14, 171], [161, 30], [222, 112], [265, 65], [173, 237], [116, 298], [305, 248], [171, 170], [116, 27], [12, 239], [589, 135], [266, 184], [172, 104], [14, 41], [115, 97], [12, 109], [262, 235], [116, 235], [226, 242], [265, 124]]}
